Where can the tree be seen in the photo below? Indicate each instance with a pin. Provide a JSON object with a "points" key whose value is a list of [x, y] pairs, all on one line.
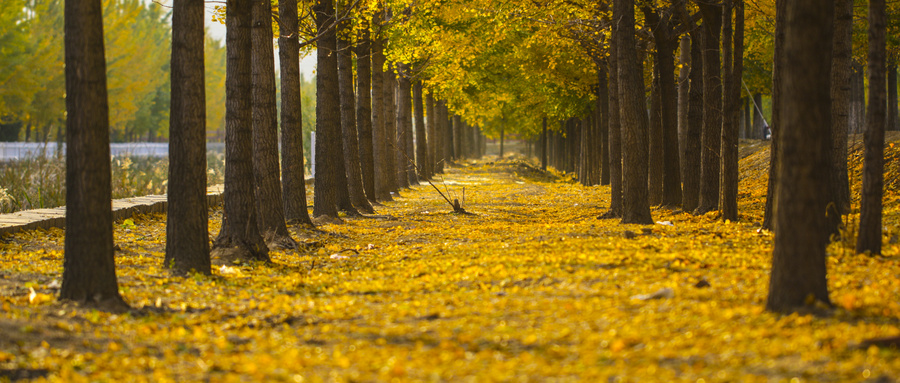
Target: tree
{"points": [[801, 233], [293, 179], [636, 207], [422, 159], [328, 117], [734, 68], [840, 96], [381, 150], [348, 122], [364, 112], [266, 173], [712, 107], [89, 273], [239, 237], [615, 131], [869, 239], [187, 232]]}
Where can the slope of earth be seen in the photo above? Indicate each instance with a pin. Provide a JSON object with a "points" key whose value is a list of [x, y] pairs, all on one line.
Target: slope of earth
{"points": [[529, 287]]}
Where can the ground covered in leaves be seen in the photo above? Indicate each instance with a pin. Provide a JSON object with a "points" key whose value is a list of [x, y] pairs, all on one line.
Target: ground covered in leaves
{"points": [[531, 287]]}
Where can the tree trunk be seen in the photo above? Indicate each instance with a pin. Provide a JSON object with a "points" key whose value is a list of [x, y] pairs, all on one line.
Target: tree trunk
{"points": [[349, 131], [655, 159], [801, 233], [432, 135], [187, 231], [759, 126], [684, 90], [870, 204], [603, 122], [329, 145], [239, 236], [391, 128], [857, 98], [728, 189], [364, 113], [636, 208], [544, 144], [381, 150], [778, 66], [892, 122], [266, 173], [405, 157], [89, 271], [692, 147], [422, 160], [840, 100], [293, 179], [501, 141], [712, 109], [615, 131]]}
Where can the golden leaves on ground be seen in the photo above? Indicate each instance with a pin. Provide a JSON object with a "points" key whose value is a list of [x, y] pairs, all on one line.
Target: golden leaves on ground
{"points": [[533, 287]]}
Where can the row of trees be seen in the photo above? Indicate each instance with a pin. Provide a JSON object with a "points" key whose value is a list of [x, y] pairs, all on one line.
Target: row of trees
{"points": [[428, 75], [137, 36]]}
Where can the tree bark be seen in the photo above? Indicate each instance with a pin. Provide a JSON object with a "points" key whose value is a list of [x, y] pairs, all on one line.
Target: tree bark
{"points": [[712, 108], [431, 121], [239, 236], [422, 160], [693, 135], [636, 208], [684, 90], [390, 129], [840, 96], [615, 131], [293, 177], [759, 126], [89, 271], [405, 156], [655, 158], [857, 97], [381, 150], [187, 231], [801, 234], [603, 122], [769, 221], [870, 204], [349, 133], [266, 173], [544, 144], [728, 188], [892, 121], [364, 113], [329, 145]]}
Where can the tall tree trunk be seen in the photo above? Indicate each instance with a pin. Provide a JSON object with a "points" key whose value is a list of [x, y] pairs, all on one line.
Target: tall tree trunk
{"points": [[778, 66], [728, 189], [857, 98], [870, 204], [615, 131], [840, 100], [348, 125], [693, 135], [405, 157], [456, 134], [603, 122], [293, 179], [712, 108], [655, 159], [892, 121], [544, 143], [432, 134], [89, 270], [364, 113], [801, 233], [684, 90], [759, 126], [187, 231], [635, 124], [266, 173], [501, 141], [391, 128], [329, 153], [381, 150], [422, 160], [239, 236]]}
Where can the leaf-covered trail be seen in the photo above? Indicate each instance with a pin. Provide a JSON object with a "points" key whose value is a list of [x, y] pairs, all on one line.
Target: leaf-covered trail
{"points": [[530, 288]]}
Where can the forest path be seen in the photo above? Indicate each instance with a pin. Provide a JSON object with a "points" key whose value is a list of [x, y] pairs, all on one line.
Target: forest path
{"points": [[531, 287]]}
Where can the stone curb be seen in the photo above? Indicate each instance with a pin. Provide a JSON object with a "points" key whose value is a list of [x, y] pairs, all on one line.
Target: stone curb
{"points": [[121, 209]]}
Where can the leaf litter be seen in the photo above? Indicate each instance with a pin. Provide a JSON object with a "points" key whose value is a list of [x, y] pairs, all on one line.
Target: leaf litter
{"points": [[532, 287]]}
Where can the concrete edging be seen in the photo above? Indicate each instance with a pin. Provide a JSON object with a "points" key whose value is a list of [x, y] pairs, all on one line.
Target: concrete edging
{"points": [[121, 209]]}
